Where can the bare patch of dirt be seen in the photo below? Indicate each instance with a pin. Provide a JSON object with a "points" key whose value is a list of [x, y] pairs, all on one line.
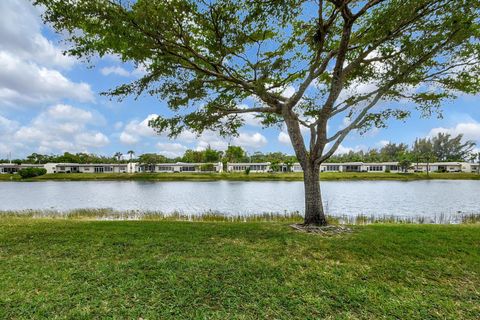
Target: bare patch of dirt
{"points": [[322, 230]]}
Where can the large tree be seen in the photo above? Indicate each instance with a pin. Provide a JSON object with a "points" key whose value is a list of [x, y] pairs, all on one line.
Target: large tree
{"points": [[365, 61], [448, 148]]}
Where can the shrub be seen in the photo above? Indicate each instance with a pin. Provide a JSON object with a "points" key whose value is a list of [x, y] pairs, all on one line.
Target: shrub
{"points": [[247, 171], [31, 172]]}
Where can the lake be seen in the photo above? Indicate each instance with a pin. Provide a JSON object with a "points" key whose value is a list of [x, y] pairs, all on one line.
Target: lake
{"points": [[350, 198]]}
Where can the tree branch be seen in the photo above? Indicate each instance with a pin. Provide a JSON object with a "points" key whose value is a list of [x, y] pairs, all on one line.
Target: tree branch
{"points": [[361, 118]]}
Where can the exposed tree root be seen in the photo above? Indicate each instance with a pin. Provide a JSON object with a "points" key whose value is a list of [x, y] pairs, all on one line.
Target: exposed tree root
{"points": [[322, 230]]}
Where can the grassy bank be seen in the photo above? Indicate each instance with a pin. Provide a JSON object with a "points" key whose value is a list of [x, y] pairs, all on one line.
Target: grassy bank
{"points": [[213, 216], [244, 177], [197, 270]]}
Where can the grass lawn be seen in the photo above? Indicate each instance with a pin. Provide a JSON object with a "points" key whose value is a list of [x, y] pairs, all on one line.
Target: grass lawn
{"points": [[202, 270], [244, 177]]}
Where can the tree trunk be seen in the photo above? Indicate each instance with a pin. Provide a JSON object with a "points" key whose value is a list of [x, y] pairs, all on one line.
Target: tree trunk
{"points": [[314, 214]]}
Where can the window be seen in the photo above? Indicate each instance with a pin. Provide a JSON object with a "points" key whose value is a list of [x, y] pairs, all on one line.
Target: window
{"points": [[375, 168], [333, 168], [352, 168], [99, 169]]}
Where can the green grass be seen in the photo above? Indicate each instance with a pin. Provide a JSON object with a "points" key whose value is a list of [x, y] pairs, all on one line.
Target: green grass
{"points": [[212, 216], [10, 177], [243, 176], [74, 269]]}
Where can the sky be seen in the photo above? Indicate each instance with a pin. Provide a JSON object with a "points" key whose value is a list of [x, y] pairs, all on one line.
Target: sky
{"points": [[51, 104]]}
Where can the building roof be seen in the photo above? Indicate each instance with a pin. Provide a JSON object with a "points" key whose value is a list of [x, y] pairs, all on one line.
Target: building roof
{"points": [[248, 163], [87, 164]]}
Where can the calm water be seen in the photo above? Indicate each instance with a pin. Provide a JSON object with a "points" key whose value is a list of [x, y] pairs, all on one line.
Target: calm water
{"points": [[417, 198]]}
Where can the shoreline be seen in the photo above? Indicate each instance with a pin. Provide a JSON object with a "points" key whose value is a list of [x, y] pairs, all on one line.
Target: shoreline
{"points": [[108, 214], [328, 176]]}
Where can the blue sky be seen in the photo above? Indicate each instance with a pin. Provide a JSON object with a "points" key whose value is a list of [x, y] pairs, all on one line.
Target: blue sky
{"points": [[50, 103]]}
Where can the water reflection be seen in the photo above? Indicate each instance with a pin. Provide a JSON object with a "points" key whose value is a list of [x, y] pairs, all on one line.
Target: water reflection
{"points": [[416, 198]]}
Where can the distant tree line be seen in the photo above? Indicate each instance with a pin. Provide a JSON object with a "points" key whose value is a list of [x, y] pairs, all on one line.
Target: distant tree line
{"points": [[442, 147], [67, 157], [209, 155]]}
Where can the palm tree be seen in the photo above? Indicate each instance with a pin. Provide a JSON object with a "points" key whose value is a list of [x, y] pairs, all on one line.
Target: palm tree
{"points": [[118, 155], [131, 153]]}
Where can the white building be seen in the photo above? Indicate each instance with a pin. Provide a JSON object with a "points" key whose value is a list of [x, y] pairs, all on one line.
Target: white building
{"points": [[443, 167], [14, 168], [133, 167], [86, 168], [342, 167], [475, 168], [381, 167], [175, 167], [254, 167]]}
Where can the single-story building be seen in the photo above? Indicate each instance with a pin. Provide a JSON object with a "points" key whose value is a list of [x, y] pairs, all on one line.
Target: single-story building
{"points": [[86, 167], [237, 167], [175, 167], [475, 168], [342, 167], [381, 167], [254, 167], [14, 168], [347, 167], [442, 167]]}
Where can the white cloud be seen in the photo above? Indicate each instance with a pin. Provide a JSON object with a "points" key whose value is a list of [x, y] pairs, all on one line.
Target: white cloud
{"points": [[26, 82], [7, 126], [29, 62], [137, 72], [206, 139], [470, 130], [67, 112], [342, 150], [250, 118], [140, 70], [91, 139], [57, 129], [383, 143], [115, 70], [136, 129], [20, 35], [250, 140], [346, 121], [286, 91], [284, 138], [127, 138], [171, 150]]}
